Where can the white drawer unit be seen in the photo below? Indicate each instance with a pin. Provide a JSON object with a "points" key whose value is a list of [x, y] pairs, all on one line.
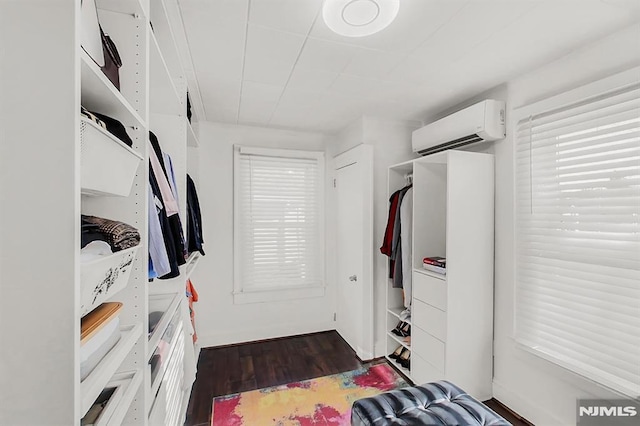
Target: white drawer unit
{"points": [[452, 313], [430, 290], [430, 319], [422, 372], [428, 347]]}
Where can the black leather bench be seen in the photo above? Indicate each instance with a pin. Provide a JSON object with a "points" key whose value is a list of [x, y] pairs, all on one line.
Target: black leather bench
{"points": [[438, 403]]}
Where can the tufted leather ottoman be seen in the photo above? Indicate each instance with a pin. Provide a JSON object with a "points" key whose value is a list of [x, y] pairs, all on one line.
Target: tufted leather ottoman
{"points": [[437, 403]]}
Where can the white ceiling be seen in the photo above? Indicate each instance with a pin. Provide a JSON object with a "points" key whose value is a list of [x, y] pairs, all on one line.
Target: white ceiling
{"points": [[275, 63]]}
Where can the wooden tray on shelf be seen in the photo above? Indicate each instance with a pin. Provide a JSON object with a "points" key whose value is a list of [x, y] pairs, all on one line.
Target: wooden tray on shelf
{"points": [[98, 318]]}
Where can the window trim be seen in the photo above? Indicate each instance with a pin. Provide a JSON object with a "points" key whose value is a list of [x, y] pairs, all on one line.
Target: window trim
{"points": [[558, 101], [259, 295]]}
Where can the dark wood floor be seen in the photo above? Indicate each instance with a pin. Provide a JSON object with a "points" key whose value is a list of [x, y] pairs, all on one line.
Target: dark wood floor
{"points": [[249, 366]]}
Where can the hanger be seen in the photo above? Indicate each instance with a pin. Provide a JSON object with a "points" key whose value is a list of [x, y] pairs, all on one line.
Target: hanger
{"points": [[409, 178]]}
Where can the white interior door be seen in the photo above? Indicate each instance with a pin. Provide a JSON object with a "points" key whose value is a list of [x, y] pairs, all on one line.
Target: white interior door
{"points": [[354, 251]]}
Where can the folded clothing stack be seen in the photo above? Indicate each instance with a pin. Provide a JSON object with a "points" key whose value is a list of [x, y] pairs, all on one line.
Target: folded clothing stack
{"points": [[110, 124], [119, 235]]}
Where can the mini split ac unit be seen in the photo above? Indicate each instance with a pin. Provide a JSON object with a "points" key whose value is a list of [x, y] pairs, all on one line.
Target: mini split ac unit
{"points": [[481, 122]]}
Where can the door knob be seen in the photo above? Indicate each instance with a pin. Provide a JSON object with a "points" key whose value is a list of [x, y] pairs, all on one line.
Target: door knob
{"points": [[353, 278]]}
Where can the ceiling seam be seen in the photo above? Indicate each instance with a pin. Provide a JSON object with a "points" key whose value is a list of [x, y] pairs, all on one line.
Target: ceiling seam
{"points": [[304, 43], [244, 60]]}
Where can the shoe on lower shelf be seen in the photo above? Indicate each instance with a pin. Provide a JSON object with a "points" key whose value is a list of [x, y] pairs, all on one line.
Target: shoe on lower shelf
{"points": [[397, 352]]}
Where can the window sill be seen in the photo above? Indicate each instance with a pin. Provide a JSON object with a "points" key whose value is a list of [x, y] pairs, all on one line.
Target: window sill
{"points": [[277, 295]]}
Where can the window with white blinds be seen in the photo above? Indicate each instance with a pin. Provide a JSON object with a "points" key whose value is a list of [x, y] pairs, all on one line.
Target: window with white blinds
{"points": [[578, 234], [279, 219]]}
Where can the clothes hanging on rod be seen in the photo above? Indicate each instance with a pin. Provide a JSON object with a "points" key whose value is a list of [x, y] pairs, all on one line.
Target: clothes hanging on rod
{"points": [[391, 245], [195, 241], [192, 296], [162, 181], [159, 264], [166, 234], [396, 248]]}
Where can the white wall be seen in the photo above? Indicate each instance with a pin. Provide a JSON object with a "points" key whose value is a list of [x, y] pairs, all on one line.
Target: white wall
{"points": [[537, 389], [540, 391], [218, 320], [391, 140]]}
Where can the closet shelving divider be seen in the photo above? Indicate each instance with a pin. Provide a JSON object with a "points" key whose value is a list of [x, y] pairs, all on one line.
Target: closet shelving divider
{"points": [[453, 217], [125, 22], [170, 390], [40, 263], [192, 139], [397, 179]]}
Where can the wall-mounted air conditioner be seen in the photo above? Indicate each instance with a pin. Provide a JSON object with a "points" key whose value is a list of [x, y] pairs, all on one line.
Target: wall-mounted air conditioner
{"points": [[481, 122]]}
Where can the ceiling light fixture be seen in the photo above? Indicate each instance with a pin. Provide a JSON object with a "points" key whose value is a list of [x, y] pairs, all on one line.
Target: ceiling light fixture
{"points": [[359, 18]]}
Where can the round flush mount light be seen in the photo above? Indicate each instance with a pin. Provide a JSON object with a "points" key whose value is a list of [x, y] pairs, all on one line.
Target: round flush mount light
{"points": [[358, 18]]}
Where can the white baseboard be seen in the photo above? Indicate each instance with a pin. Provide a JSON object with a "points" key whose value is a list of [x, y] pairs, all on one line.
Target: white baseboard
{"points": [[380, 349], [364, 355], [535, 414], [230, 337]]}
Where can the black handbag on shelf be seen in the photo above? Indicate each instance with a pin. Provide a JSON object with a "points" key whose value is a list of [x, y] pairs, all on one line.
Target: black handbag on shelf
{"points": [[112, 61], [98, 45]]}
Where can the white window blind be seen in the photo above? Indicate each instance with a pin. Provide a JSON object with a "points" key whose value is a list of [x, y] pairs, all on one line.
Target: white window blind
{"points": [[578, 236], [279, 230]]}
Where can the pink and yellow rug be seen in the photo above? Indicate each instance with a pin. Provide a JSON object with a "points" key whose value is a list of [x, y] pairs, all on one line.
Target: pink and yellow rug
{"points": [[323, 401]]}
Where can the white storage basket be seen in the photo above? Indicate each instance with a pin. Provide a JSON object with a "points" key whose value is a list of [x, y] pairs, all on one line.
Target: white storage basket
{"points": [[107, 164], [100, 279]]}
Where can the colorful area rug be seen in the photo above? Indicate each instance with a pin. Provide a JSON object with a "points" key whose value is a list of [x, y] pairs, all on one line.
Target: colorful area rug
{"points": [[323, 401]]}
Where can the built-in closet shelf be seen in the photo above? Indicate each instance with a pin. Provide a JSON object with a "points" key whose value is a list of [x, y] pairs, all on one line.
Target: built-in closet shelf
{"points": [[176, 348], [126, 386], [163, 95], [185, 404], [396, 313], [107, 165], [405, 167], [431, 274], [100, 95], [161, 29], [91, 387], [399, 340], [168, 390], [135, 8], [192, 139], [190, 266], [101, 279], [168, 303], [177, 284], [404, 371]]}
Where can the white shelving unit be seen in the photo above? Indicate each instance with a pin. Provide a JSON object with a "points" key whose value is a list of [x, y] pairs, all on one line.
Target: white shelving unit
{"points": [[396, 313], [41, 380], [192, 139], [168, 304], [397, 179], [452, 314], [168, 121], [98, 94], [104, 372]]}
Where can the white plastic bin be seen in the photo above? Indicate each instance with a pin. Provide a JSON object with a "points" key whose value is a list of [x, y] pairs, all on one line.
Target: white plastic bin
{"points": [[107, 164], [102, 278]]}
